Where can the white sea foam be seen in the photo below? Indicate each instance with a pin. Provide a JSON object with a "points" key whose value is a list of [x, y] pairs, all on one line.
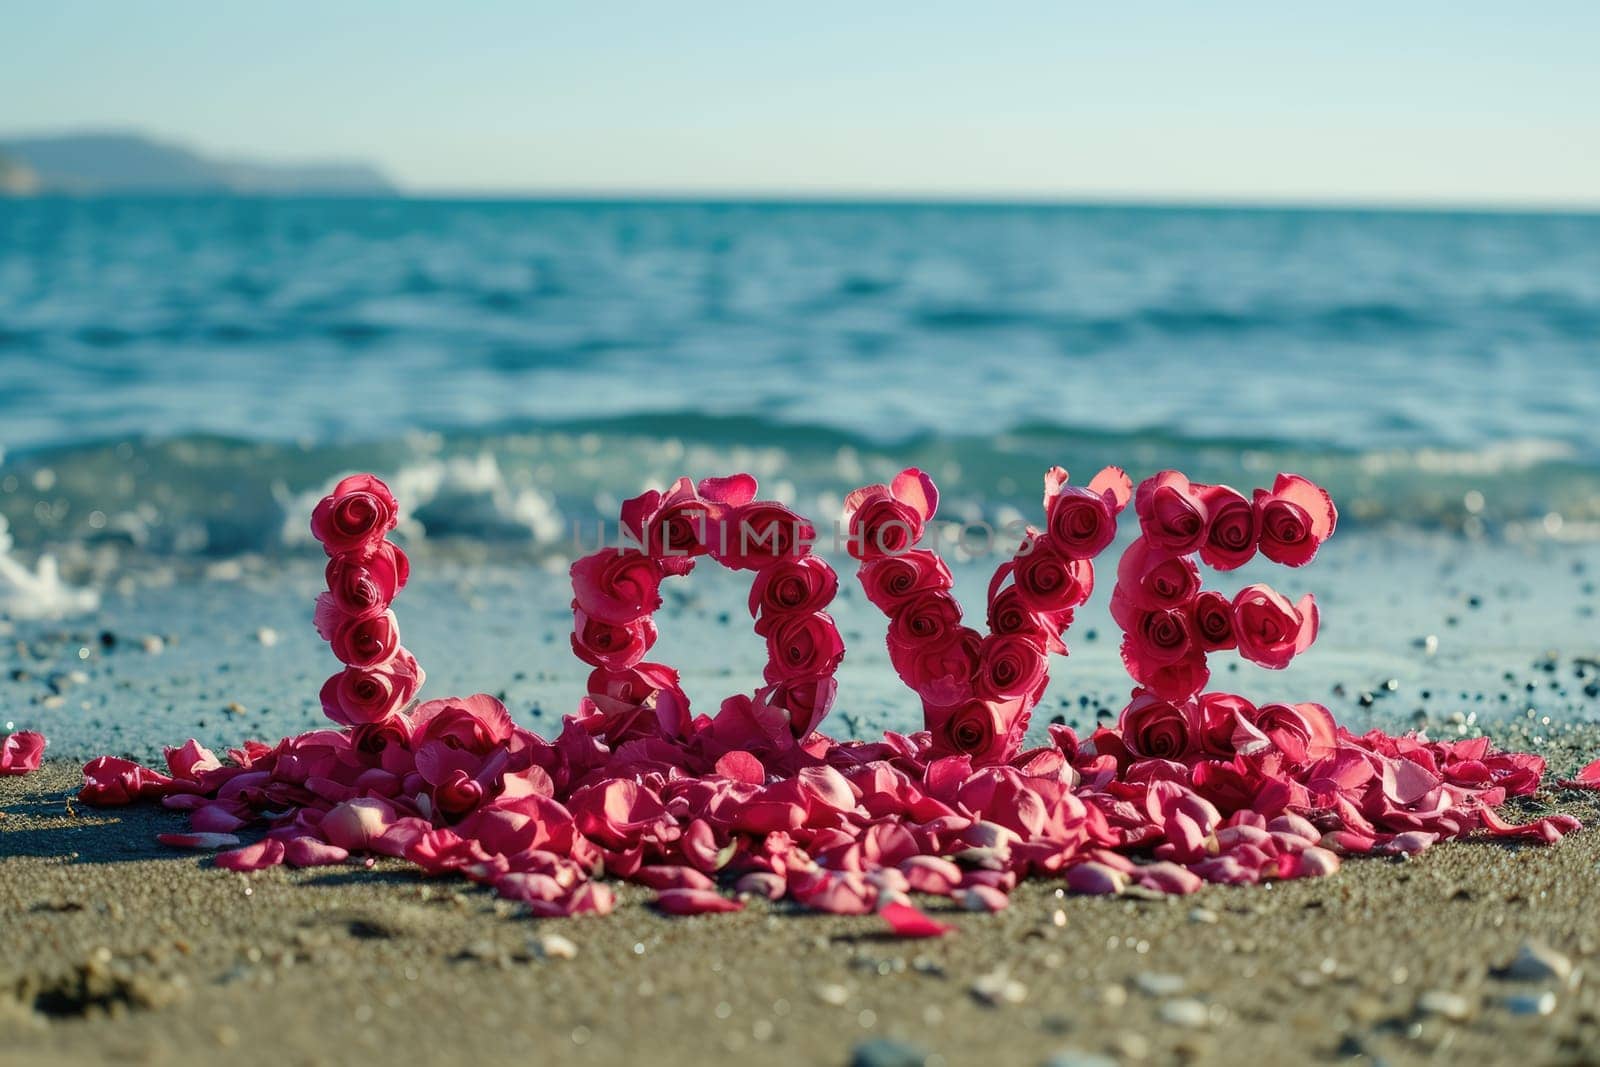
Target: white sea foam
{"points": [[457, 496], [39, 593]]}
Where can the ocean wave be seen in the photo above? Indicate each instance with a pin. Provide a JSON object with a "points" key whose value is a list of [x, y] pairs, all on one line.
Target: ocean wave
{"points": [[523, 486]]}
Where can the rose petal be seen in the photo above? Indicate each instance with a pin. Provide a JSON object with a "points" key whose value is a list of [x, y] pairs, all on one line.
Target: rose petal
{"points": [[695, 902], [907, 921]]}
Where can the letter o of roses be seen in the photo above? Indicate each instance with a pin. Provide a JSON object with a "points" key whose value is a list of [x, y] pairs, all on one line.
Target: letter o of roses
{"points": [[616, 592]]}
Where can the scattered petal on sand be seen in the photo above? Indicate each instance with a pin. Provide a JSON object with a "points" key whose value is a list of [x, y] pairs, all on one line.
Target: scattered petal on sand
{"points": [[201, 840], [907, 921]]}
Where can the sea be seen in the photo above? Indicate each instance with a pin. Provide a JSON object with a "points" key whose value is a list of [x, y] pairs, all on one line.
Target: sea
{"points": [[180, 379]]}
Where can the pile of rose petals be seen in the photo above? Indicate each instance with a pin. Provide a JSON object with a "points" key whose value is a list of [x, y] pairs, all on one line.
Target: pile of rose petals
{"points": [[1190, 787], [847, 827], [21, 752]]}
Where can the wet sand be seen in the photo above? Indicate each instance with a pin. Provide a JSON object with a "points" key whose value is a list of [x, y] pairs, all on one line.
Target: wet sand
{"points": [[116, 949]]}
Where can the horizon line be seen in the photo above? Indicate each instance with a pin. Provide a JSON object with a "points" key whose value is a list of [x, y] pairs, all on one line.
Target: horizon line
{"points": [[846, 197]]}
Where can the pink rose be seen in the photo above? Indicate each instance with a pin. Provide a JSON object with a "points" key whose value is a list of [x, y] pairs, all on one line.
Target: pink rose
{"points": [[1304, 733], [361, 588], [671, 524], [799, 646], [1160, 635], [1010, 614], [757, 535], [887, 520], [796, 586], [360, 695], [1156, 728], [616, 585], [608, 645], [1178, 680], [478, 722], [927, 619], [1172, 513], [891, 581], [373, 738], [1153, 578], [1269, 629], [21, 752], [1082, 522], [939, 671], [354, 518], [974, 729], [1211, 615], [459, 779], [1231, 537], [642, 701], [1047, 581], [366, 642], [1294, 519], [1011, 667], [805, 701], [1219, 715]]}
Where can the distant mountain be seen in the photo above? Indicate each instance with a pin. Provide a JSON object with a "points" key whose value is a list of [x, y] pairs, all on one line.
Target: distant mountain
{"points": [[17, 179], [93, 163]]}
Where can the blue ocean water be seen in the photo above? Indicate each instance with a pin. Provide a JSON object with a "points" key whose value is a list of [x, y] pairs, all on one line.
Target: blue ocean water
{"points": [[180, 373]]}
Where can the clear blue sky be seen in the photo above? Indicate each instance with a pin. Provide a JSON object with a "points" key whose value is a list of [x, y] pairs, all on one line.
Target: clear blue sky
{"points": [[1354, 101]]}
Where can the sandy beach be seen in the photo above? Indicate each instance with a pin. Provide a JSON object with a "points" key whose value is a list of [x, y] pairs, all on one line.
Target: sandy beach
{"points": [[116, 949]]}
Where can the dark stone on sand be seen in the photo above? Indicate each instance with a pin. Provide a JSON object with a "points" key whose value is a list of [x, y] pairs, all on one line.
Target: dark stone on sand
{"points": [[886, 1052]]}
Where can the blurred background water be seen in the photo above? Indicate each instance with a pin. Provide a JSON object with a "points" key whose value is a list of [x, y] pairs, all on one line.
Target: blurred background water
{"points": [[177, 374]]}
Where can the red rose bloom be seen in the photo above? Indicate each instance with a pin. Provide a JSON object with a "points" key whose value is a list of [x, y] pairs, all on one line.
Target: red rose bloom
{"points": [[1231, 536], [887, 520], [1047, 581], [802, 645], [361, 588], [354, 518], [974, 728], [1294, 519], [1172, 513], [1010, 667], [1211, 615], [1156, 728], [892, 581], [608, 645], [366, 642], [1269, 629], [791, 587], [617, 585]]}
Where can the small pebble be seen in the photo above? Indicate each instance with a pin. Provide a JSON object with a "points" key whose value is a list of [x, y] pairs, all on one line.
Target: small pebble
{"points": [[1074, 1058], [1447, 1005], [1531, 1003], [556, 947], [1537, 963], [837, 995], [1159, 985], [153, 644], [998, 987], [886, 1052], [267, 636], [1202, 915], [1185, 1012]]}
